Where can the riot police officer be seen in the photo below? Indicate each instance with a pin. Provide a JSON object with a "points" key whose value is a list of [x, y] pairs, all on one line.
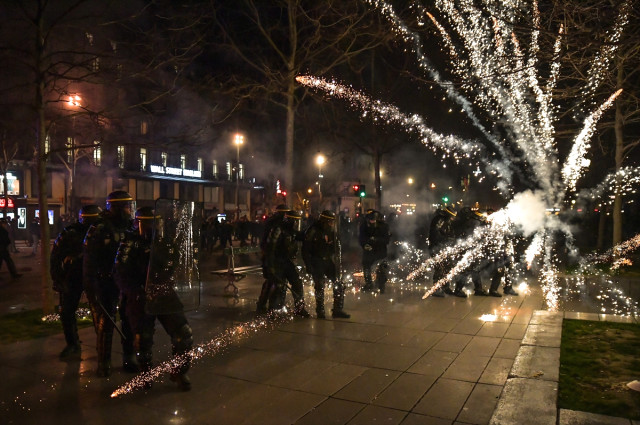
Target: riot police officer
{"points": [[281, 249], [268, 286], [441, 235], [130, 274], [100, 246], [66, 273], [318, 249], [464, 225], [374, 237]]}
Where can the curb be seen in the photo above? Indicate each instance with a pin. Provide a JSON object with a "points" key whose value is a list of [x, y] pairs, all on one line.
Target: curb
{"points": [[531, 392]]}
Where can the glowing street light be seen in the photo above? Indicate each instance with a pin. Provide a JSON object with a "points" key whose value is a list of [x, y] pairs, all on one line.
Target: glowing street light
{"points": [[320, 160], [238, 140], [410, 180]]}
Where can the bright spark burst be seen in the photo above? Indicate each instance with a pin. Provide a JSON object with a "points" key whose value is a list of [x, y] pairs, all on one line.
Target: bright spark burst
{"points": [[501, 77]]}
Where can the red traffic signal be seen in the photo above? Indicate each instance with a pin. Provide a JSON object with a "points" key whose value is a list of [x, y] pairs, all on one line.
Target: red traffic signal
{"points": [[356, 190]]}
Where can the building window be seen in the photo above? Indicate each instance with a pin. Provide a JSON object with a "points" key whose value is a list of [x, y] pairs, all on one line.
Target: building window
{"points": [[163, 159], [241, 171], [70, 145], [183, 161], [95, 64], [229, 173], [120, 156], [144, 127], [97, 153], [47, 145], [214, 169], [200, 164], [143, 159]]}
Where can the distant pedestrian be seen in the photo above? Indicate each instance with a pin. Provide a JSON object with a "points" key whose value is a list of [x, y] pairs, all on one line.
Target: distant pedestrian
{"points": [[34, 231], [5, 241], [13, 229]]}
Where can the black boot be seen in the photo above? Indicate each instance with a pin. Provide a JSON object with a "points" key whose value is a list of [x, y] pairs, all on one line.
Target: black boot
{"points": [[263, 299], [320, 302], [338, 302], [103, 345], [183, 381], [508, 290], [71, 352], [129, 363]]}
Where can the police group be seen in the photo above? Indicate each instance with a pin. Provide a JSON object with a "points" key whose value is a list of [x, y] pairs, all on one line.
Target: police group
{"points": [[108, 258]]}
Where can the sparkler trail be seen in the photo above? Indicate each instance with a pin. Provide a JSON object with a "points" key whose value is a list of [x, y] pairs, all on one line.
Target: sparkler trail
{"points": [[455, 146], [501, 77], [211, 348]]}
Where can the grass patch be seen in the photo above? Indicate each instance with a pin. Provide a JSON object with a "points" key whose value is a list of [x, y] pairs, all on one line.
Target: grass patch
{"points": [[597, 360], [27, 325]]}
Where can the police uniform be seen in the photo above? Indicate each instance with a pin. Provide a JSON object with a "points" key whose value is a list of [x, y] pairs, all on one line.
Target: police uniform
{"points": [[318, 249], [441, 235], [100, 246], [268, 286], [281, 249], [66, 273], [374, 238], [130, 274]]}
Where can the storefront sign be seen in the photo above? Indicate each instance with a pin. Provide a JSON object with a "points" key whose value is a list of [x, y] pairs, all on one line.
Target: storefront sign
{"points": [[159, 169]]}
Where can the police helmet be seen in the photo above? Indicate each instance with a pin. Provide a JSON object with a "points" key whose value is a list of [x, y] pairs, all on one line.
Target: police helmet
{"points": [[145, 218], [282, 208], [372, 214], [294, 219], [145, 213], [327, 215], [121, 203], [446, 212], [89, 213]]}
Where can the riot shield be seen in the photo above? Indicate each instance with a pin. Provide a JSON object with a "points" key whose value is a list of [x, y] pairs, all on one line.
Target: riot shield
{"points": [[173, 277]]}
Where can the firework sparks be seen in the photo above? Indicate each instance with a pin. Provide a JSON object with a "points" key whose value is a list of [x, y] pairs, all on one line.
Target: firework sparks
{"points": [[500, 76], [211, 348]]}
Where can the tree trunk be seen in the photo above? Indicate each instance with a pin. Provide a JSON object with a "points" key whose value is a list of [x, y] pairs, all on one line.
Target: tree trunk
{"points": [[41, 158], [619, 158], [602, 224], [291, 115], [376, 179]]}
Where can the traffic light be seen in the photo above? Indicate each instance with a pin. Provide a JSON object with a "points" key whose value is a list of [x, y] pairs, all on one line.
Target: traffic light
{"points": [[445, 199], [362, 192]]}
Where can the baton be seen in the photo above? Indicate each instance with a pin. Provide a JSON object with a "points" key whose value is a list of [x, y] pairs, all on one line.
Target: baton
{"points": [[111, 319]]}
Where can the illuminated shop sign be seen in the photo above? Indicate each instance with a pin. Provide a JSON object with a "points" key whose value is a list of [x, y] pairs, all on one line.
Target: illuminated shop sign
{"points": [[13, 184], [3, 202], [159, 169]]}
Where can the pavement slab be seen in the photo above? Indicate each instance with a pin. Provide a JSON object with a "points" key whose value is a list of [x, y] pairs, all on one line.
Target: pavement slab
{"points": [[398, 360]]}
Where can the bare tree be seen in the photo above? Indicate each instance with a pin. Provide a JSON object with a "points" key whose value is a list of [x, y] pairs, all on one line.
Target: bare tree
{"points": [[592, 30], [280, 40], [129, 55]]}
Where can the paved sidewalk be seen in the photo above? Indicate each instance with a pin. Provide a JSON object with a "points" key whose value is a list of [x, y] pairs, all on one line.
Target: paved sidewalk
{"points": [[398, 360]]}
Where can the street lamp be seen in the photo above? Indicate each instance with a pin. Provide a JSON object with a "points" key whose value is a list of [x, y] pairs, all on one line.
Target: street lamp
{"points": [[320, 160], [74, 103], [410, 180], [238, 140]]}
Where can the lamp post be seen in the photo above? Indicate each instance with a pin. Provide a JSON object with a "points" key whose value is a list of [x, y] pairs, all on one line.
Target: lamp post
{"points": [[238, 140], [73, 103], [320, 160]]}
